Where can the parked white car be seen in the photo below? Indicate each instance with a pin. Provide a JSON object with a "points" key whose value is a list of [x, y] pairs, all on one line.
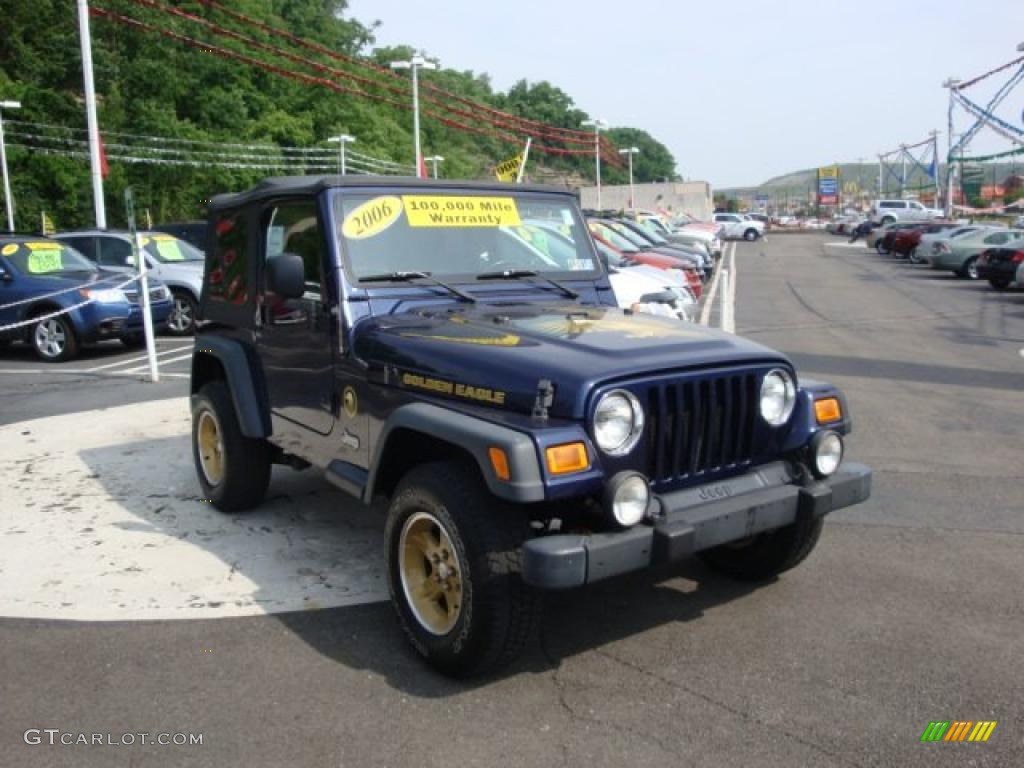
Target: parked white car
{"points": [[888, 211], [738, 226]]}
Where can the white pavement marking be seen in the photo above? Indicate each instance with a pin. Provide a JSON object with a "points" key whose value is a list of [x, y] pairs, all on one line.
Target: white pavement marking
{"points": [[705, 313], [842, 244], [118, 363], [102, 520], [728, 319], [85, 372], [168, 361]]}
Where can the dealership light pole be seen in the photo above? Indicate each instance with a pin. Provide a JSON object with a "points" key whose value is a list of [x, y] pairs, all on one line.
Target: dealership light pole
{"points": [[598, 126], [341, 140], [950, 83], [632, 191], [90, 115], [3, 162], [434, 160], [416, 63]]}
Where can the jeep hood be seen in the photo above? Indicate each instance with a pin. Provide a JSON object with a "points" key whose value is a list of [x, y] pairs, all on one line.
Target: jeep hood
{"points": [[497, 354]]}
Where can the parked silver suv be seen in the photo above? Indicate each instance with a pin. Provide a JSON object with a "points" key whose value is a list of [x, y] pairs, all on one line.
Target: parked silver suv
{"points": [[887, 211], [174, 262]]}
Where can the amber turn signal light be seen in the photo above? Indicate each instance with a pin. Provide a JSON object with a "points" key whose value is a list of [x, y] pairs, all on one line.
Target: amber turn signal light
{"points": [[499, 461], [827, 410], [565, 458]]}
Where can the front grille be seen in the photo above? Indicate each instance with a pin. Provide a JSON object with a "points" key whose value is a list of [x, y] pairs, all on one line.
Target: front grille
{"points": [[700, 426]]}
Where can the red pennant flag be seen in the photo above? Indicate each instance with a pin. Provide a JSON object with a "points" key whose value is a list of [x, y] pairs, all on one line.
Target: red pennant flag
{"points": [[104, 168]]}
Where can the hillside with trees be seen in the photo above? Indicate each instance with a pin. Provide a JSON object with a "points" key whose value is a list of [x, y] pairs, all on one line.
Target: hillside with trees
{"points": [[274, 76]]}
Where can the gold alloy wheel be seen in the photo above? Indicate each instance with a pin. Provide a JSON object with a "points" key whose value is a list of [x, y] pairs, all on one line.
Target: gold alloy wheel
{"points": [[429, 569], [211, 448]]}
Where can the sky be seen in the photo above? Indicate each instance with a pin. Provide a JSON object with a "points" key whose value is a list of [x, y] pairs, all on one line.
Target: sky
{"points": [[740, 91]]}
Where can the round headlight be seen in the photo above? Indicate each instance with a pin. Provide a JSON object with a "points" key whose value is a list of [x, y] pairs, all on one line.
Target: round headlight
{"points": [[826, 453], [628, 497], [618, 422], [778, 396]]}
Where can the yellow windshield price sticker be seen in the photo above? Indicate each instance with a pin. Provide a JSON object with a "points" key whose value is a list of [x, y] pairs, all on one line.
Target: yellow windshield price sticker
{"points": [[42, 261], [9, 249], [168, 249], [448, 211], [372, 217]]}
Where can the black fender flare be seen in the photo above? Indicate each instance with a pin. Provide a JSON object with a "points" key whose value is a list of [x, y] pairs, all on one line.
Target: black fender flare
{"points": [[244, 382], [526, 483]]}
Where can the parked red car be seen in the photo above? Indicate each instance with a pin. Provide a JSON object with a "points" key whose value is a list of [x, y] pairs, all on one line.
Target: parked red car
{"points": [[627, 251]]}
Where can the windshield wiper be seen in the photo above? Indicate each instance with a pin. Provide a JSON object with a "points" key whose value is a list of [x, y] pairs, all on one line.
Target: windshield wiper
{"points": [[408, 277], [515, 274]]}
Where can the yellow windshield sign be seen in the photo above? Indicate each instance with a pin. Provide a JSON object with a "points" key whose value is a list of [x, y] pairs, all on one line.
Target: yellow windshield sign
{"points": [[42, 261], [372, 217], [461, 211]]}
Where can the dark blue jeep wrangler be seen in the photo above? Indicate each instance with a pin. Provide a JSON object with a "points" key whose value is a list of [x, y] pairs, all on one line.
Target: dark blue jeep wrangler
{"points": [[426, 341]]}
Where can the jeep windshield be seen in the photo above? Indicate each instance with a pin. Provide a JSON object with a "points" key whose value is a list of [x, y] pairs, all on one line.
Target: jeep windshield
{"points": [[463, 236]]}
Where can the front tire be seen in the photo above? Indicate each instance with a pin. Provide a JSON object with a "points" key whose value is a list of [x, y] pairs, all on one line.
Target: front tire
{"points": [[234, 470], [182, 320], [768, 554], [914, 257], [750, 235], [54, 340], [999, 283], [453, 560], [880, 248]]}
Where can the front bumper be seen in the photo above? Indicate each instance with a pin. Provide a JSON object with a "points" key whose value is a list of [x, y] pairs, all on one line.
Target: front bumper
{"points": [[693, 520]]}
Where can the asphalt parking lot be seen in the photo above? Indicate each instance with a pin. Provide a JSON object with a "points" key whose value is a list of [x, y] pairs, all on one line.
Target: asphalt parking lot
{"points": [[909, 611]]}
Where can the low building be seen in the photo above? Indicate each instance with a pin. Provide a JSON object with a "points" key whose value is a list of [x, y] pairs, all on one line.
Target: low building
{"points": [[692, 197]]}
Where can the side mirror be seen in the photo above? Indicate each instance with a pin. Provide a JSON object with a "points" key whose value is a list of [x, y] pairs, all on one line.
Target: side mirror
{"points": [[129, 261], [286, 275]]}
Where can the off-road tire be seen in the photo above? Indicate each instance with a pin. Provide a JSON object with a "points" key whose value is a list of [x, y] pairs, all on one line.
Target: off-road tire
{"points": [[999, 283], [59, 324], [767, 554], [246, 461], [750, 235], [498, 610]]}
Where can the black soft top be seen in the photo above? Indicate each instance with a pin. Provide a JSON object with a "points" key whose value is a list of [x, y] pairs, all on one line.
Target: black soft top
{"points": [[277, 186]]}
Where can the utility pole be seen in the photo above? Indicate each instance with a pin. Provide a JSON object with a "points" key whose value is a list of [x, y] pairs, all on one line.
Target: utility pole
{"points": [[90, 114], [9, 202], [341, 140], [632, 190], [935, 155], [598, 126], [416, 63], [951, 84]]}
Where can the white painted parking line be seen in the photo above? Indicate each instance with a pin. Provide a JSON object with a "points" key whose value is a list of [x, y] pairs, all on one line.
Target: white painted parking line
{"points": [[705, 313], [109, 525], [168, 361], [83, 372], [728, 318], [118, 363]]}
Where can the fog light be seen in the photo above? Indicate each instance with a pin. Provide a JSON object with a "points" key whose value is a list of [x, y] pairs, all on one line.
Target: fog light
{"points": [[826, 453], [627, 498]]}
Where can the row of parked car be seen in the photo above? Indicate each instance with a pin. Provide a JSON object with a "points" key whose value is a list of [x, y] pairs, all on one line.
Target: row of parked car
{"points": [[78, 284], [989, 252]]}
